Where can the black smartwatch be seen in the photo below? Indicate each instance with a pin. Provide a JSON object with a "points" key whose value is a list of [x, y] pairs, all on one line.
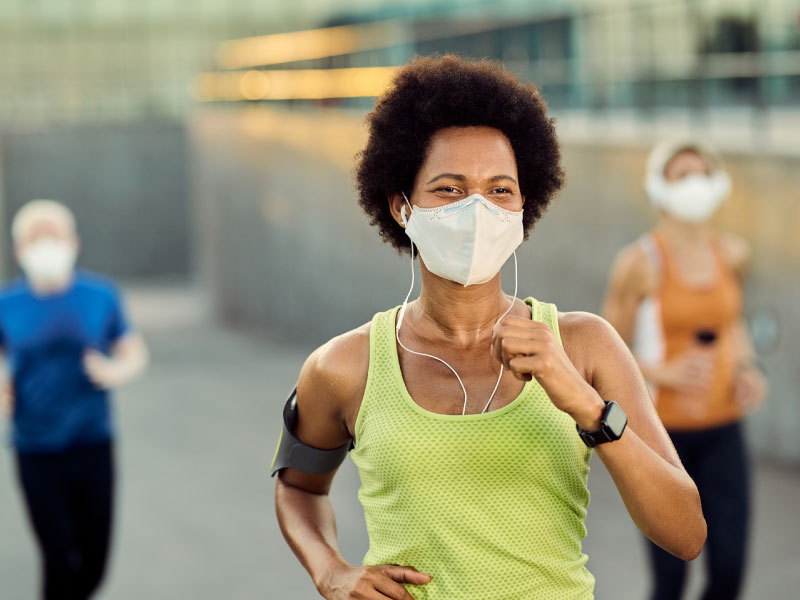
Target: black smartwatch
{"points": [[612, 424]]}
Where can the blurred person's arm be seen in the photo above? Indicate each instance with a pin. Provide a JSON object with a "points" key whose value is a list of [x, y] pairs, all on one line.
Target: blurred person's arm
{"points": [[128, 355], [329, 391], [750, 383], [632, 279], [749, 379], [6, 389], [127, 361]]}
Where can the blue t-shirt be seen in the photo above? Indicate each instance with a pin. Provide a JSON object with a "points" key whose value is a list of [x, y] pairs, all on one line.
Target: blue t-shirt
{"points": [[56, 406]]}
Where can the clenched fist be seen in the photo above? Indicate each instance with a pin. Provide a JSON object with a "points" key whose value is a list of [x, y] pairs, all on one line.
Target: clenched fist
{"points": [[529, 349]]}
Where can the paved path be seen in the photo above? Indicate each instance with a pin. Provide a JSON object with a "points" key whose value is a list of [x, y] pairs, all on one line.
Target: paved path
{"points": [[196, 518]]}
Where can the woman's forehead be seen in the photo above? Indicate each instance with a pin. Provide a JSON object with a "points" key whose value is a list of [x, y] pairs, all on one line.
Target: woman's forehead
{"points": [[685, 159], [470, 150]]}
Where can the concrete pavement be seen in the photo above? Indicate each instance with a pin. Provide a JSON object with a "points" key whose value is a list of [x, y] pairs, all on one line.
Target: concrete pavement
{"points": [[195, 511]]}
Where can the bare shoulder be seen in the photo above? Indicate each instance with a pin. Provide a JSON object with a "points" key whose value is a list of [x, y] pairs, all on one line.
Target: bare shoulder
{"points": [[333, 378], [588, 339], [738, 251], [327, 388], [584, 328], [632, 273], [339, 367]]}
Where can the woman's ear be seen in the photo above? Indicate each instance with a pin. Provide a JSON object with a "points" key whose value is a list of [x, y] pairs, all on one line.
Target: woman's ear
{"points": [[396, 204], [523, 201]]}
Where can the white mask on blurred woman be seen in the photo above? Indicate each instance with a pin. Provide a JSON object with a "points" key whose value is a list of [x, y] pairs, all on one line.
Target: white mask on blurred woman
{"points": [[48, 261], [693, 198]]}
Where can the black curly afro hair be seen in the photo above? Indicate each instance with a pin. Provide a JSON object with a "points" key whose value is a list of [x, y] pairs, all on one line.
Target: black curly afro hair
{"points": [[430, 94]]}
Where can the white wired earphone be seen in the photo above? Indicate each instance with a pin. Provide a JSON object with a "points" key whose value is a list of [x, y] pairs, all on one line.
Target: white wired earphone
{"points": [[402, 312]]}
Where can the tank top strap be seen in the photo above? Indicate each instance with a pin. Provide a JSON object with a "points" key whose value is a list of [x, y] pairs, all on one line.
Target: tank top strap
{"points": [[658, 255], [723, 264], [545, 312], [382, 377], [382, 336], [654, 253]]}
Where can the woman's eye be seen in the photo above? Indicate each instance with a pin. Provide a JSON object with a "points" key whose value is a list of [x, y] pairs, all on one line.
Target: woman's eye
{"points": [[501, 191], [448, 189]]}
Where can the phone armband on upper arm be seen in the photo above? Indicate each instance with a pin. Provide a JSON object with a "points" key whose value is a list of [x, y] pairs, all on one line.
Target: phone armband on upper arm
{"points": [[295, 454]]}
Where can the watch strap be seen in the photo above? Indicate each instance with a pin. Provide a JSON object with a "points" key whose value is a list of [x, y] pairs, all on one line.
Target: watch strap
{"points": [[603, 435]]}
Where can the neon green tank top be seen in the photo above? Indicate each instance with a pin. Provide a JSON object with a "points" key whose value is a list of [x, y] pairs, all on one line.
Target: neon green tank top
{"points": [[491, 505]]}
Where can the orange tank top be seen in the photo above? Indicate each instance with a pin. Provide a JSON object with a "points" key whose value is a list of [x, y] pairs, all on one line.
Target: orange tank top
{"points": [[684, 311]]}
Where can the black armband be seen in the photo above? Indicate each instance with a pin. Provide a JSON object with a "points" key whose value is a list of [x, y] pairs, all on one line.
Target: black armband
{"points": [[293, 453]]}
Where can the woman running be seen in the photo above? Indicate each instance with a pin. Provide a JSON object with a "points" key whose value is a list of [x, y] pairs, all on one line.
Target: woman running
{"points": [[471, 413], [675, 297]]}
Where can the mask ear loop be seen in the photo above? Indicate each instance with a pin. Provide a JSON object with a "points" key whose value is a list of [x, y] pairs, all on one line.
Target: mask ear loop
{"points": [[402, 313], [510, 306]]}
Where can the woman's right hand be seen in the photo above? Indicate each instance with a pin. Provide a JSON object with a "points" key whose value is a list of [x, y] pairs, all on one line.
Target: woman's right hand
{"points": [[377, 582], [689, 374]]}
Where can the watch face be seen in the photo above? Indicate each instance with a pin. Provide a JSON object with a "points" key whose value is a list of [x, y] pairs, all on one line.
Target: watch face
{"points": [[616, 419]]}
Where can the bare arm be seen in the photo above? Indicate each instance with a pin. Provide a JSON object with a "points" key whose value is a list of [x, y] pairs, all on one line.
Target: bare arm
{"points": [[660, 496], [596, 365], [631, 280], [750, 381], [303, 508], [6, 389], [329, 390]]}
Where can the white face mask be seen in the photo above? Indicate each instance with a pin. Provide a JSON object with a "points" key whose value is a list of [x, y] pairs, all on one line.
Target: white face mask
{"points": [[466, 241], [48, 261], [693, 199]]}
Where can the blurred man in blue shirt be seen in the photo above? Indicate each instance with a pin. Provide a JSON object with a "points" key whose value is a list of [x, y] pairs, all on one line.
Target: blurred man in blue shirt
{"points": [[67, 343]]}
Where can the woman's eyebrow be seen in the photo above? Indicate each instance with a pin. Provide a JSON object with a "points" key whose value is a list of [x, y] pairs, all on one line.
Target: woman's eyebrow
{"points": [[499, 177], [463, 178], [449, 176]]}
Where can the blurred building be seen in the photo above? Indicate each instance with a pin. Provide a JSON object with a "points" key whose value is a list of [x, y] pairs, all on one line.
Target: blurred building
{"points": [[120, 59]]}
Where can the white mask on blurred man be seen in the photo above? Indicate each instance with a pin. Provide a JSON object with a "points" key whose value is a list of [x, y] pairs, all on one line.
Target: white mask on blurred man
{"points": [[48, 261], [693, 198]]}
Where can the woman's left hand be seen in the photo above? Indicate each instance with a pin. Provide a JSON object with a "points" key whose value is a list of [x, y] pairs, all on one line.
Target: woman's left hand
{"points": [[529, 349]]}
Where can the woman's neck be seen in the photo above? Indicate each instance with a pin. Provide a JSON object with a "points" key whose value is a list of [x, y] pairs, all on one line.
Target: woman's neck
{"points": [[681, 232], [464, 315]]}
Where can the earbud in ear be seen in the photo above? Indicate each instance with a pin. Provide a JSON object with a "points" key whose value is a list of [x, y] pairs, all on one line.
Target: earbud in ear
{"points": [[403, 209]]}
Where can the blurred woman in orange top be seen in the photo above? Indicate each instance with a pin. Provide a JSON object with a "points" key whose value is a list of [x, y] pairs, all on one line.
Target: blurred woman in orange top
{"points": [[675, 297]]}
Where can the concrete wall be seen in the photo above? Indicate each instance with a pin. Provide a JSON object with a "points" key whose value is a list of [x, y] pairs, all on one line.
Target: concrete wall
{"points": [[287, 250], [126, 183]]}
